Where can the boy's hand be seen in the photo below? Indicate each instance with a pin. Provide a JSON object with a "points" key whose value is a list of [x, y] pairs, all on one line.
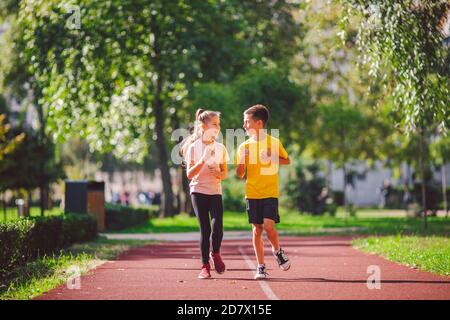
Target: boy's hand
{"points": [[244, 154], [265, 155]]}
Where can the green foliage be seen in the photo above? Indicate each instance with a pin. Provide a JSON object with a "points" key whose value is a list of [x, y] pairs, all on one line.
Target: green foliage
{"points": [[233, 194], [8, 144], [25, 161], [305, 187], [119, 217], [26, 239], [270, 86], [341, 133], [128, 57], [401, 42]]}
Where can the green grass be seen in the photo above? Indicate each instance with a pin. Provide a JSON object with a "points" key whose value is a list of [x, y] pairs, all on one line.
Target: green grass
{"points": [[425, 253], [293, 223], [46, 273], [11, 213]]}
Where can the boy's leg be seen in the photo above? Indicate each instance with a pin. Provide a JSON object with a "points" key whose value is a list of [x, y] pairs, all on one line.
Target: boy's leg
{"points": [[272, 234], [258, 243]]}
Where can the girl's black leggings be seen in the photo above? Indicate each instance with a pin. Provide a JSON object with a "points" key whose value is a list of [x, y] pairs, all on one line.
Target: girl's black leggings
{"points": [[204, 205]]}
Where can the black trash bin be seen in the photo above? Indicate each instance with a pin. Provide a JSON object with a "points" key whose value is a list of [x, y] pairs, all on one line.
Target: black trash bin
{"points": [[83, 196]]}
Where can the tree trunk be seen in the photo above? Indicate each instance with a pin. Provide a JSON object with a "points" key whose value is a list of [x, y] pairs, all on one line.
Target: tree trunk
{"points": [[4, 206], [187, 201], [43, 158], [184, 192], [422, 177], [28, 204], [444, 188], [344, 169], [167, 208], [167, 204]]}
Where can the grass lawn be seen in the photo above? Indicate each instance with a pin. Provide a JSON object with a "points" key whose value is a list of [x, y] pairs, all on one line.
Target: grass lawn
{"points": [[48, 272], [425, 253], [365, 222], [11, 213]]}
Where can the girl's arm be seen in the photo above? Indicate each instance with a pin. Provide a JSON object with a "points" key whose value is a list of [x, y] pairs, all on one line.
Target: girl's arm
{"points": [[223, 171], [194, 168]]}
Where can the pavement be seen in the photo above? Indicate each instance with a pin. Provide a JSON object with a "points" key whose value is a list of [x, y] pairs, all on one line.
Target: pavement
{"points": [[325, 267]]}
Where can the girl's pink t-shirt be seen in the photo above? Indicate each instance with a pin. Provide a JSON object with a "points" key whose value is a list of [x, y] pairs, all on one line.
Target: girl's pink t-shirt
{"points": [[204, 181]]}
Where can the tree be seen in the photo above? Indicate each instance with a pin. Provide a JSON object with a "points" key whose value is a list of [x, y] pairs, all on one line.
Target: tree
{"points": [[342, 133], [401, 42], [440, 153], [8, 144], [20, 170], [114, 79]]}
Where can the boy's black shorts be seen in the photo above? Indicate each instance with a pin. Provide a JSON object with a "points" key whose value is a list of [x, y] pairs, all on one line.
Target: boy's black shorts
{"points": [[258, 209]]}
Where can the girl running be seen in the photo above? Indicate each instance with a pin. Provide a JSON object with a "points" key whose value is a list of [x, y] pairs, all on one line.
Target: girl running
{"points": [[206, 161]]}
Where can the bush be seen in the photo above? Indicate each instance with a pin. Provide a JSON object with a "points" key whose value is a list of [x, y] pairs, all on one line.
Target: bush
{"points": [[119, 217], [233, 194], [306, 191], [25, 239]]}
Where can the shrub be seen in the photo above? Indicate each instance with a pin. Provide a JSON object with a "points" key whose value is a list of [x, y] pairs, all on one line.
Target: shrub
{"points": [[25, 239], [305, 189], [233, 194], [119, 217]]}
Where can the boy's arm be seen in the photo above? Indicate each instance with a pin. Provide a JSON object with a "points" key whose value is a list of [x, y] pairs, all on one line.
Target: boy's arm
{"points": [[283, 156], [284, 161], [240, 169]]}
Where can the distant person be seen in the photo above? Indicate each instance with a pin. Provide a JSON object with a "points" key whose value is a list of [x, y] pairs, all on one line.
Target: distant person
{"points": [[385, 191], [259, 158], [407, 196], [206, 167], [126, 198]]}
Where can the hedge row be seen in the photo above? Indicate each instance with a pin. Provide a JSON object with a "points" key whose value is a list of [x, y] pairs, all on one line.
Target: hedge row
{"points": [[119, 217], [26, 239]]}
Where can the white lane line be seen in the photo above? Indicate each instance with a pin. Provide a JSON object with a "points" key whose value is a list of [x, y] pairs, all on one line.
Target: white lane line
{"points": [[264, 285]]}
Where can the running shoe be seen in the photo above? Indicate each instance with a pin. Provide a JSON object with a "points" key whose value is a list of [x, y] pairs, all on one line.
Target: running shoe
{"points": [[219, 266], [205, 272], [282, 259], [261, 272]]}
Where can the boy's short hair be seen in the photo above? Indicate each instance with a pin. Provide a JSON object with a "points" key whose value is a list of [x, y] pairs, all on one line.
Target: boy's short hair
{"points": [[258, 112]]}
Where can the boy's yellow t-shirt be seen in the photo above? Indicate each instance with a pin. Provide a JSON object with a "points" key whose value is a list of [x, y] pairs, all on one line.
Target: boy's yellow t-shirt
{"points": [[262, 169]]}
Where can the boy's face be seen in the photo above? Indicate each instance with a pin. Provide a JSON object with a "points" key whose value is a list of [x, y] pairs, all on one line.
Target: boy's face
{"points": [[250, 125]]}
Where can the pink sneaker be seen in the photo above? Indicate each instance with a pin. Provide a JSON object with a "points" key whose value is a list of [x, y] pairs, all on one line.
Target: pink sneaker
{"points": [[218, 262], [205, 272]]}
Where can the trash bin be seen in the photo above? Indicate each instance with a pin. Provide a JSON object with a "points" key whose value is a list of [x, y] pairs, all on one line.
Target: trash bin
{"points": [[82, 196]]}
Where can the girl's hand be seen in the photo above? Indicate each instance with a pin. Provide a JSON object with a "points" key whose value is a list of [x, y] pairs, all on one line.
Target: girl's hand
{"points": [[208, 153], [215, 171]]}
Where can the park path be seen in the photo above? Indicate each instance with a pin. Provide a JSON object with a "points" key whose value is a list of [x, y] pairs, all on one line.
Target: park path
{"points": [[322, 268]]}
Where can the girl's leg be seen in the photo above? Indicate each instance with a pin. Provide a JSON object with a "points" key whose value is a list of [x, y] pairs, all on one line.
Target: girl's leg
{"points": [[201, 203], [216, 210]]}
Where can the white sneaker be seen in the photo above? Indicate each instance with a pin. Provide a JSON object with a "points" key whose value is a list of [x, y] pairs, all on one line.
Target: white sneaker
{"points": [[283, 261], [261, 272]]}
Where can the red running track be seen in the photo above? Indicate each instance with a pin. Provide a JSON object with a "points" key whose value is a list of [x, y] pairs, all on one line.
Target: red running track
{"points": [[322, 268]]}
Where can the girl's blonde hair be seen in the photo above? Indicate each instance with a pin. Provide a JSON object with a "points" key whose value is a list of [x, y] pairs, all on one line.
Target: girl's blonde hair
{"points": [[201, 116]]}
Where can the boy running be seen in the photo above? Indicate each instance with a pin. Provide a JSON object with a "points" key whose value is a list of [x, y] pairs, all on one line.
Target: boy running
{"points": [[259, 158]]}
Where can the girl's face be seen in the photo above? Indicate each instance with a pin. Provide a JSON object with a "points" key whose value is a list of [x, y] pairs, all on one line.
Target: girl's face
{"points": [[211, 128]]}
